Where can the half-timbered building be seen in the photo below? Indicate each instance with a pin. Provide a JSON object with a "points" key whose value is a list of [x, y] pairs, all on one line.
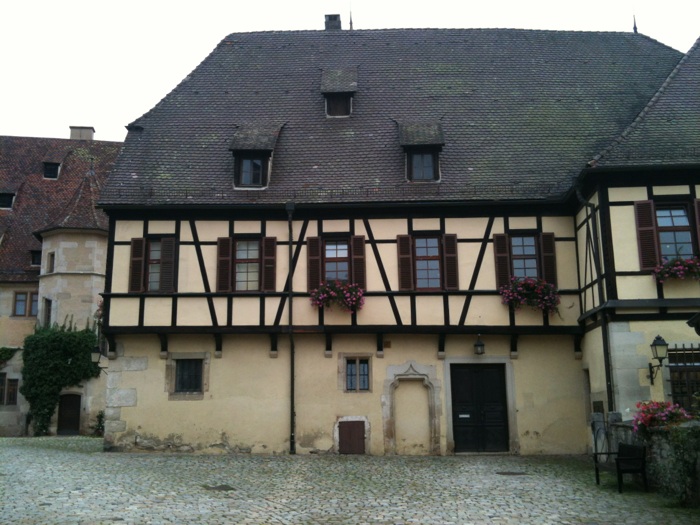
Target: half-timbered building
{"points": [[416, 175]]}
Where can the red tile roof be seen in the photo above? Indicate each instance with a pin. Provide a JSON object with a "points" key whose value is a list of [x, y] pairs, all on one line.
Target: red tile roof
{"points": [[42, 204]]}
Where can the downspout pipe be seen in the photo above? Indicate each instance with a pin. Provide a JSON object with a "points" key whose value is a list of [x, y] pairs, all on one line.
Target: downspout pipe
{"points": [[289, 207], [601, 290]]}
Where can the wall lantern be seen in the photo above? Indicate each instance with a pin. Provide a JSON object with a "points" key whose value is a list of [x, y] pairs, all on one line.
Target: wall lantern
{"points": [[659, 349], [479, 346]]}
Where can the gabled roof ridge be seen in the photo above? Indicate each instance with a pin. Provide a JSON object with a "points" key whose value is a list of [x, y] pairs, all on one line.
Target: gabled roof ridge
{"points": [[645, 111]]}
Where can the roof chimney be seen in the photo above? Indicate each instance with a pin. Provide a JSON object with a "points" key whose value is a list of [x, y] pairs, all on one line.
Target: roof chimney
{"points": [[82, 132], [332, 22]]}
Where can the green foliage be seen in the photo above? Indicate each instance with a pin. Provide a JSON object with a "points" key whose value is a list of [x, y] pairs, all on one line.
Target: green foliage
{"points": [[54, 358], [6, 354], [98, 429]]}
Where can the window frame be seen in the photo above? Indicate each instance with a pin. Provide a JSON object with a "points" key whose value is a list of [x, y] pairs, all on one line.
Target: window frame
{"points": [[52, 170], [546, 256], [648, 241], [448, 255], [171, 375], [226, 264], [356, 359], [428, 257], [525, 234], [51, 262], [423, 151], [240, 157], [35, 257], [316, 267], [139, 271], [31, 304], [338, 105]]}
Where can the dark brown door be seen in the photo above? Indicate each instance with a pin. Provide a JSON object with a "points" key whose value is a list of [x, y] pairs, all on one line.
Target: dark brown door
{"points": [[479, 408], [351, 437], [69, 415]]}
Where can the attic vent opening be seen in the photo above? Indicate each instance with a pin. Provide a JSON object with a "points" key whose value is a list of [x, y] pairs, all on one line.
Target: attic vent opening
{"points": [[338, 87], [333, 22]]}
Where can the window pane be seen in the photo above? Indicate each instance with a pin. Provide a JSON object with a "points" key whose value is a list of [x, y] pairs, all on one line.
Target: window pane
{"points": [[21, 303], [34, 310], [251, 172], [337, 262], [350, 375], [247, 249], [247, 276], [154, 266], [364, 374], [188, 375], [422, 166]]}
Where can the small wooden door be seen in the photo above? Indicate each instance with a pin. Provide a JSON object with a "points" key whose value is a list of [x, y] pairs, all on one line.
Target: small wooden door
{"points": [[351, 437], [69, 415], [479, 408]]}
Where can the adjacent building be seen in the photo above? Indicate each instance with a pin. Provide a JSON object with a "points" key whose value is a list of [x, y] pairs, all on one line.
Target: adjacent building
{"points": [[53, 248], [422, 175]]}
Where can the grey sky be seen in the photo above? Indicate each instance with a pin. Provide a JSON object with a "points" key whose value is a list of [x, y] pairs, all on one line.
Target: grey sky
{"points": [[89, 62]]}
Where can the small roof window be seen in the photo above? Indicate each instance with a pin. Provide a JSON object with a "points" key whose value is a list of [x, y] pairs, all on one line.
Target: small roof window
{"points": [[338, 87], [6, 200], [422, 143], [51, 170], [252, 148]]}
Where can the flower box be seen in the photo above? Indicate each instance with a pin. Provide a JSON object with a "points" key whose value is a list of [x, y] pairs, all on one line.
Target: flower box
{"points": [[528, 291], [348, 296]]}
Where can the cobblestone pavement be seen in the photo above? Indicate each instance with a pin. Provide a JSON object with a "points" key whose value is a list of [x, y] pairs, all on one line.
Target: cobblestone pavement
{"points": [[70, 481]]}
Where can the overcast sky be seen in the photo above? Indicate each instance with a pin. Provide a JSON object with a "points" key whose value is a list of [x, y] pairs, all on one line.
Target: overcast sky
{"points": [[103, 64]]}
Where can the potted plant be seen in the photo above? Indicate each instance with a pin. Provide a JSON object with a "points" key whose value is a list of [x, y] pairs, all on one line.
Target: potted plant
{"points": [[528, 291], [349, 296], [678, 268]]}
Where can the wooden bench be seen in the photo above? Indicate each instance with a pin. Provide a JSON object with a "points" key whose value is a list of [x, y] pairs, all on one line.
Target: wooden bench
{"points": [[629, 459]]}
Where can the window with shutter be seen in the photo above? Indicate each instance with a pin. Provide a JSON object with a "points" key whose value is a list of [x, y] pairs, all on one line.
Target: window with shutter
{"points": [[665, 232], [428, 262], [336, 259], [523, 255], [246, 264], [152, 265]]}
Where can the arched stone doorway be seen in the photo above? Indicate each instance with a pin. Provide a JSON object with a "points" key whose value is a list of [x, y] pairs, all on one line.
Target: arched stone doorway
{"points": [[427, 377]]}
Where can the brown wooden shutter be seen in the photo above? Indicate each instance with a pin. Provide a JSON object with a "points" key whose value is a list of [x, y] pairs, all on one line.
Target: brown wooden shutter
{"points": [[269, 258], [697, 224], [167, 264], [404, 244], [359, 273], [223, 264], [449, 253], [313, 265], [549, 258], [501, 250], [645, 215], [136, 267]]}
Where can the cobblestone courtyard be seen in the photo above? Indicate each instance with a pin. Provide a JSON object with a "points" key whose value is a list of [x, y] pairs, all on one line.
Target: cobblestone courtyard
{"points": [[70, 481]]}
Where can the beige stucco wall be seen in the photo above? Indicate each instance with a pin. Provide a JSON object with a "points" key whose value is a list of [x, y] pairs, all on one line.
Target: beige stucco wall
{"points": [[78, 278], [246, 406]]}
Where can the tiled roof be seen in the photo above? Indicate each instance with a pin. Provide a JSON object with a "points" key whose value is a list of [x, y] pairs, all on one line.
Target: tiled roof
{"points": [[43, 204], [667, 131], [521, 112]]}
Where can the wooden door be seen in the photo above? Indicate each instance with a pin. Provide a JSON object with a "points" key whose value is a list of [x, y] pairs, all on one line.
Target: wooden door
{"points": [[479, 408], [351, 437], [69, 415]]}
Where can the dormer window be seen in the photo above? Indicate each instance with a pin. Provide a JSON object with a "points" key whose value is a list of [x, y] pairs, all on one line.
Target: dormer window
{"points": [[252, 149], [422, 143], [51, 170], [338, 87], [251, 169], [338, 104], [6, 200]]}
